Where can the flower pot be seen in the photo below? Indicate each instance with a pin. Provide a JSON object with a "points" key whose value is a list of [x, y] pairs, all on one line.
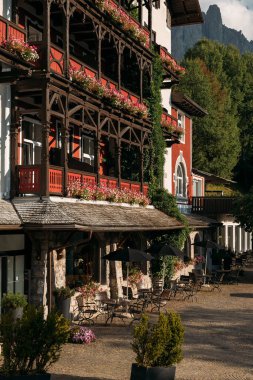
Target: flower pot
{"points": [[161, 373], [44, 376], [63, 306], [152, 373], [138, 373]]}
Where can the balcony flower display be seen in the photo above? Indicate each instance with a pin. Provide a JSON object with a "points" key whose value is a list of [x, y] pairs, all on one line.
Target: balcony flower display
{"points": [[111, 96], [170, 127], [125, 21], [173, 65], [21, 49], [86, 191]]}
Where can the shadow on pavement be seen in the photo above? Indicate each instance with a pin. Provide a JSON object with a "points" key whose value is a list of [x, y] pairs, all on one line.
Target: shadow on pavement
{"points": [[69, 377], [242, 295]]}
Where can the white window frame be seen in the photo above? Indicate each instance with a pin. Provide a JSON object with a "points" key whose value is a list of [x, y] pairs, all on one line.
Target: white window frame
{"points": [[181, 124], [31, 143], [181, 182], [88, 156]]}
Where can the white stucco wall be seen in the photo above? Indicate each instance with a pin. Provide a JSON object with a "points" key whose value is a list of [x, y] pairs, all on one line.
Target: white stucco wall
{"points": [[159, 25], [166, 94], [5, 8], [167, 179], [5, 103]]}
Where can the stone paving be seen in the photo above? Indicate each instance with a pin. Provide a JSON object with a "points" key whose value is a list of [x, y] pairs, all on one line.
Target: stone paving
{"points": [[218, 341]]}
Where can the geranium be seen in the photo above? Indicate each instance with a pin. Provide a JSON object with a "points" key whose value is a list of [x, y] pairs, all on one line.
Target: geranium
{"points": [[124, 20], [112, 96], [87, 191], [135, 277], [21, 49], [82, 335], [89, 290], [173, 65], [199, 259]]}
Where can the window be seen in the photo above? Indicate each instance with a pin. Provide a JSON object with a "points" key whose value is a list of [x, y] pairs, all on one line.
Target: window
{"points": [[157, 4], [58, 135], [181, 126], [180, 182], [88, 150], [32, 143], [168, 18], [197, 188]]}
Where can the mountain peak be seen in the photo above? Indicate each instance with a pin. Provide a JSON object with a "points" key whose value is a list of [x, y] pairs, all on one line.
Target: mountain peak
{"points": [[184, 37]]}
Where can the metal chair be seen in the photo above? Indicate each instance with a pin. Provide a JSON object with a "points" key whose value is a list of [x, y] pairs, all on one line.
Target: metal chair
{"points": [[86, 310]]}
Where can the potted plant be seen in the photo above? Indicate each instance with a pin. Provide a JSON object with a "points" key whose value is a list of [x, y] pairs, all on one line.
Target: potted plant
{"points": [[14, 303], [158, 347], [31, 344], [62, 300]]}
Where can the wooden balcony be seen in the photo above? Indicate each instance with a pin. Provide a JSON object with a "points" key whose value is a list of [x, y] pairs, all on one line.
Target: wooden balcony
{"points": [[29, 180], [9, 30], [169, 63], [212, 205]]}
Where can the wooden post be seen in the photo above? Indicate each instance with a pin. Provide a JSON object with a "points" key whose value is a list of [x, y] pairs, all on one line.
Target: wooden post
{"points": [[97, 148], [119, 64], [141, 80], [66, 39], [64, 150], [46, 35], [150, 20], [45, 121], [142, 167], [119, 163], [140, 12], [99, 50], [15, 122]]}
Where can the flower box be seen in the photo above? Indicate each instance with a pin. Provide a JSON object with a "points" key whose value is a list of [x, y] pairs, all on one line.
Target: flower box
{"points": [[21, 49]]}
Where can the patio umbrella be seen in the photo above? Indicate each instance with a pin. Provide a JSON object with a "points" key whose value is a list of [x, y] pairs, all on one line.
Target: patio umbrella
{"points": [[206, 244], [164, 249], [128, 255]]}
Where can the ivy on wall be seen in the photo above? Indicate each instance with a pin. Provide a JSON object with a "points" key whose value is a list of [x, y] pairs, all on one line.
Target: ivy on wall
{"points": [[155, 110]]}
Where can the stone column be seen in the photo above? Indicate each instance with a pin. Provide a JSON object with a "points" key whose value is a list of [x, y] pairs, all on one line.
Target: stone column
{"points": [[39, 271]]}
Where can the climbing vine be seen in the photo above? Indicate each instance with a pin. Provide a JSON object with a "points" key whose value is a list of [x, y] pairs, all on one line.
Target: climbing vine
{"points": [[155, 110]]}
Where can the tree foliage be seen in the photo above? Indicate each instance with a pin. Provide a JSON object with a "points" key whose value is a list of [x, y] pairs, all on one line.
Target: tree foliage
{"points": [[243, 207], [216, 144]]}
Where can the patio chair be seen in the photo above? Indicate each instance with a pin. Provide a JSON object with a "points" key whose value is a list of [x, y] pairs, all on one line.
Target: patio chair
{"points": [[86, 310]]}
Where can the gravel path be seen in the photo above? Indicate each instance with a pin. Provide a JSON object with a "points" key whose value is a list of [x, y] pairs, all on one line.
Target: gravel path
{"points": [[218, 341]]}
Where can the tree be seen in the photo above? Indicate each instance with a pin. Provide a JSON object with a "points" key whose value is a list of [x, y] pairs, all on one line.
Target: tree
{"points": [[243, 207], [216, 136]]}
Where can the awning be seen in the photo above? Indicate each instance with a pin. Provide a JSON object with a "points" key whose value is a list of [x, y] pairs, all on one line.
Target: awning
{"points": [[68, 214]]}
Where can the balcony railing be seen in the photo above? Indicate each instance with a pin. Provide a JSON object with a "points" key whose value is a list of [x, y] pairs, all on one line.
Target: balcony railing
{"points": [[10, 30], [29, 180], [212, 205]]}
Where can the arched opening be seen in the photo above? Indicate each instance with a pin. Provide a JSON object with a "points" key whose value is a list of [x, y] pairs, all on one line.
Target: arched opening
{"points": [[130, 71], [180, 181], [109, 58]]}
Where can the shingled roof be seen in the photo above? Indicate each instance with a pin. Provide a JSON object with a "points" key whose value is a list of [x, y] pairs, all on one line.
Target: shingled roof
{"points": [[70, 213], [199, 221], [8, 216]]}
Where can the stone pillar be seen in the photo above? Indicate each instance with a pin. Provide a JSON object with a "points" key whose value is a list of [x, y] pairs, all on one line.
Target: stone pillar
{"points": [[59, 268], [39, 271], [116, 276]]}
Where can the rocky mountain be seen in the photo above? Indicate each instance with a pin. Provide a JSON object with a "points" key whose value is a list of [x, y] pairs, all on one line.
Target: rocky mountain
{"points": [[184, 37]]}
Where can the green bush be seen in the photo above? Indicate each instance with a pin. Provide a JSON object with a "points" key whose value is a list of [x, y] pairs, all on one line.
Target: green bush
{"points": [[13, 300], [31, 344], [63, 293], [160, 344]]}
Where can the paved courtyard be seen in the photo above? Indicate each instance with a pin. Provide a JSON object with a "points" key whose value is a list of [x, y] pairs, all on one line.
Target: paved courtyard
{"points": [[218, 341]]}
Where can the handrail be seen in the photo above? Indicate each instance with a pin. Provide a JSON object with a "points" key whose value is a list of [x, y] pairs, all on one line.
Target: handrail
{"points": [[12, 25]]}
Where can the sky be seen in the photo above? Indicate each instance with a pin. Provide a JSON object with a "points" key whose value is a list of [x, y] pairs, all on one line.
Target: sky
{"points": [[236, 14]]}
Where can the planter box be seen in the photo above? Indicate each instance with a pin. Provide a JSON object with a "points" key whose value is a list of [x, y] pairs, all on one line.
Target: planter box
{"points": [[45, 376], [153, 373]]}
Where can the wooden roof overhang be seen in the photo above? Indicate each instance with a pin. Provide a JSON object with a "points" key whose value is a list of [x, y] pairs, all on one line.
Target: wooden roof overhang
{"points": [[187, 105], [185, 12], [212, 178]]}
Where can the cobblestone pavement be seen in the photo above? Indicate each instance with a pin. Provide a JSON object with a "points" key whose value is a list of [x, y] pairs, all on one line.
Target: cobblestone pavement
{"points": [[218, 341]]}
